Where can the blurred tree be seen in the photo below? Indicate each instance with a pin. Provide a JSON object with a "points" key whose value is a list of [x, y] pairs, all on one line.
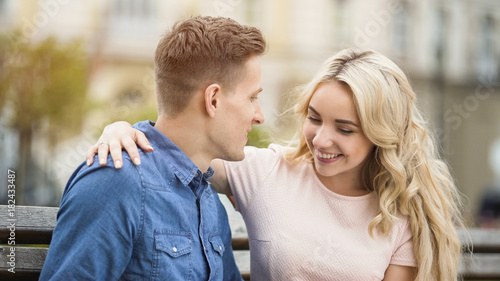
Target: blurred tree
{"points": [[259, 137], [42, 91]]}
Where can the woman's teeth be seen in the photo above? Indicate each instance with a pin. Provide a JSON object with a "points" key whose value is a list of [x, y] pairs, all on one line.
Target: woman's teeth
{"points": [[327, 156]]}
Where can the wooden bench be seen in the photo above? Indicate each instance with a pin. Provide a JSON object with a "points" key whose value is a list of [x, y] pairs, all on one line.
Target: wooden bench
{"points": [[34, 226]]}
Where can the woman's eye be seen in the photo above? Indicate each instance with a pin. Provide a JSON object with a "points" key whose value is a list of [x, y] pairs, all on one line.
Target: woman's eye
{"points": [[312, 119], [346, 132]]}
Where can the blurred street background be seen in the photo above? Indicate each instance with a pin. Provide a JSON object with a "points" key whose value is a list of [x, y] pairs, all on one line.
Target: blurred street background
{"points": [[68, 68]]}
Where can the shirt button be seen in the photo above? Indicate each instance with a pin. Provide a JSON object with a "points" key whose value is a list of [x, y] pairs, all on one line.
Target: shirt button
{"points": [[220, 248], [174, 249]]}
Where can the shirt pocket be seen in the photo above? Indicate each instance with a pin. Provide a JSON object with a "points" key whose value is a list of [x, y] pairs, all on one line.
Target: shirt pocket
{"points": [[172, 255], [217, 244], [218, 253]]}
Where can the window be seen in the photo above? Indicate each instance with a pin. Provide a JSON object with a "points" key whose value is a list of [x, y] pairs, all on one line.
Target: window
{"points": [[132, 17], [401, 30], [487, 65], [5, 18], [439, 40]]}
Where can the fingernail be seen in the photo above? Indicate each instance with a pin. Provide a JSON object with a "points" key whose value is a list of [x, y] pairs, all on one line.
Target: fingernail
{"points": [[118, 164], [88, 162], [101, 161], [150, 147], [137, 161]]}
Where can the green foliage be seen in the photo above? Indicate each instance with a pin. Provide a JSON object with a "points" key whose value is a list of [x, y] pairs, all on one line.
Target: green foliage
{"points": [[259, 137], [42, 82], [134, 105], [42, 91]]}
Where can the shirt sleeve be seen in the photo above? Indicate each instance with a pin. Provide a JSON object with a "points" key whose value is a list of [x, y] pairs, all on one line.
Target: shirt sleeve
{"points": [[246, 177], [96, 225], [404, 254]]}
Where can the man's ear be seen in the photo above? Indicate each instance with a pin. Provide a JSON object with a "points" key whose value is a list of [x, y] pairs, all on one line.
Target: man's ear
{"points": [[212, 98]]}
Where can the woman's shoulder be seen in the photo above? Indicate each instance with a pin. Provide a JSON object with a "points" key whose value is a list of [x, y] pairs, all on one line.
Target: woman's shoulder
{"points": [[272, 151], [262, 159], [402, 226], [279, 149]]}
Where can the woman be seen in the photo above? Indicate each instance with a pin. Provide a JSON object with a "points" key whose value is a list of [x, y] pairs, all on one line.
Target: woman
{"points": [[362, 195]]}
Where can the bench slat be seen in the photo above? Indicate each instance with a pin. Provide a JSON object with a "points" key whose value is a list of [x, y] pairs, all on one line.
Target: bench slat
{"points": [[29, 262], [240, 244], [480, 266], [34, 225], [483, 240], [26, 258], [30, 259], [39, 220]]}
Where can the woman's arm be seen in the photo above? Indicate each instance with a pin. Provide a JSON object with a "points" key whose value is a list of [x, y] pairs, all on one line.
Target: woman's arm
{"points": [[121, 135], [400, 273], [115, 137], [219, 181]]}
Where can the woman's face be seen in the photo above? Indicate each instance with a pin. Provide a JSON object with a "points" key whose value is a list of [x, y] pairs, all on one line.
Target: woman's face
{"points": [[333, 133]]}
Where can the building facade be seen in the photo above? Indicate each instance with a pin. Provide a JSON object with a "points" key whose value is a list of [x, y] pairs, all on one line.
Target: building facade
{"points": [[448, 48]]}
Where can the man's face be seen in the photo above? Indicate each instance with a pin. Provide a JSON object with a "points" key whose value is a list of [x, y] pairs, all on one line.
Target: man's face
{"points": [[240, 109]]}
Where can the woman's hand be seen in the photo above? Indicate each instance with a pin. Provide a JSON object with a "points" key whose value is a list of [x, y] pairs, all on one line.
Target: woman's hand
{"points": [[115, 137], [121, 135]]}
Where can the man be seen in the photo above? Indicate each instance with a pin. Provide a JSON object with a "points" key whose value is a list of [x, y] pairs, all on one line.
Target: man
{"points": [[161, 220]]}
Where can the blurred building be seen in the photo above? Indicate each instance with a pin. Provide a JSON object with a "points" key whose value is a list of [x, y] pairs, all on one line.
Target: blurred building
{"points": [[449, 49]]}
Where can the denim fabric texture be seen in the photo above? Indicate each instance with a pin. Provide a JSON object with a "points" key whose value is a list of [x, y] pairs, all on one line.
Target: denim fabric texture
{"points": [[160, 220]]}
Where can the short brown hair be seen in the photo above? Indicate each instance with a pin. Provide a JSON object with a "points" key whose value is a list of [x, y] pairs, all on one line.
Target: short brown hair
{"points": [[198, 52]]}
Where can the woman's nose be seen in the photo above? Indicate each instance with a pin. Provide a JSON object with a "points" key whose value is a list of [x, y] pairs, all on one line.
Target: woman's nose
{"points": [[325, 137]]}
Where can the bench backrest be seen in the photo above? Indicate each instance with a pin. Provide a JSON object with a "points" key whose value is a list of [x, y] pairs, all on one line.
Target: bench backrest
{"points": [[30, 228]]}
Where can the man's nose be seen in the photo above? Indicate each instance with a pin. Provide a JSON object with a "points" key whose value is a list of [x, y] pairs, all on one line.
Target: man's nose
{"points": [[258, 116]]}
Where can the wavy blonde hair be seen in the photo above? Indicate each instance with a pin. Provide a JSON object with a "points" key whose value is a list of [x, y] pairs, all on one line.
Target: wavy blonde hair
{"points": [[404, 169]]}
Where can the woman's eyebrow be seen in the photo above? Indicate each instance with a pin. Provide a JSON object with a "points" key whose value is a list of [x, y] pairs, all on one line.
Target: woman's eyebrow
{"points": [[342, 121], [348, 122], [313, 110]]}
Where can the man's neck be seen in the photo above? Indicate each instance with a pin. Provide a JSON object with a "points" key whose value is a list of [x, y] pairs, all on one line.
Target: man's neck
{"points": [[188, 135]]}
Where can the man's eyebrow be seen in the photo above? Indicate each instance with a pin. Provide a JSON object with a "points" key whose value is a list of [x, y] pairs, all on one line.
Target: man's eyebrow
{"points": [[257, 91], [342, 121]]}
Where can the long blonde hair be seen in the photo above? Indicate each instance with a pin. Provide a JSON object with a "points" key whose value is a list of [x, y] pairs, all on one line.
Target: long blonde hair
{"points": [[404, 169]]}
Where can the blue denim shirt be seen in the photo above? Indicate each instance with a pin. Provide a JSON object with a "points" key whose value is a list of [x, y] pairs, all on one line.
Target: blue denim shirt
{"points": [[157, 221]]}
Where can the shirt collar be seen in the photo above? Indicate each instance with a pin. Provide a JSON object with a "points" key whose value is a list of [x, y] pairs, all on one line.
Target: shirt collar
{"points": [[184, 169]]}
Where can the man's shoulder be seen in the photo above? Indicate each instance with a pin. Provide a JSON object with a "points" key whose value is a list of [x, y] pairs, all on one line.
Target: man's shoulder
{"points": [[97, 180], [155, 167]]}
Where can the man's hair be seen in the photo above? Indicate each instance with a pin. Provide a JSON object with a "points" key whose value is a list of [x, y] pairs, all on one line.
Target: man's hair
{"points": [[198, 52]]}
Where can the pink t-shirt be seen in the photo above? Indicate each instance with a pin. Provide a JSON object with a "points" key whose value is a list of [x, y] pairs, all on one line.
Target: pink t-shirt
{"points": [[300, 230]]}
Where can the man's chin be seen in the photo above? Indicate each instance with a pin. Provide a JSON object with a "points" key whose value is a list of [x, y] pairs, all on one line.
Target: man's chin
{"points": [[237, 157]]}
